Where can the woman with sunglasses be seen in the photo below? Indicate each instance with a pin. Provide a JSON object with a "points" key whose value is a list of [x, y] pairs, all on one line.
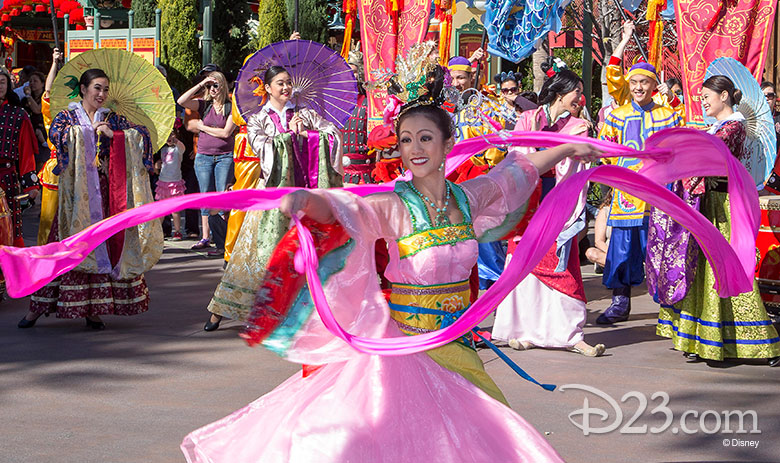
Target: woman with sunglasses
{"points": [[214, 159]]}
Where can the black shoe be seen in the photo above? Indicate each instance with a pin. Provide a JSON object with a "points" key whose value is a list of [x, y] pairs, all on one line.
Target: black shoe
{"points": [[212, 326], [25, 323], [691, 358], [774, 361], [99, 325]]}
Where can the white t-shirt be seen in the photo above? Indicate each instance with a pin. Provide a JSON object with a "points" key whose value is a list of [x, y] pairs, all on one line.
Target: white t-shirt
{"points": [[171, 164]]}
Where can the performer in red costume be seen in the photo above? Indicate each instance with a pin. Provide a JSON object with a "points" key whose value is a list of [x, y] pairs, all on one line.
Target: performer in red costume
{"points": [[18, 148]]}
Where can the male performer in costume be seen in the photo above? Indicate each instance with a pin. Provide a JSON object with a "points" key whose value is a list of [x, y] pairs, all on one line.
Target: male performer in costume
{"points": [[617, 83], [358, 163], [630, 125], [473, 122]]}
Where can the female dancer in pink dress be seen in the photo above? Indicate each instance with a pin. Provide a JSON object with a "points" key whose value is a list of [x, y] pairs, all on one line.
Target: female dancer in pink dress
{"points": [[361, 408]]}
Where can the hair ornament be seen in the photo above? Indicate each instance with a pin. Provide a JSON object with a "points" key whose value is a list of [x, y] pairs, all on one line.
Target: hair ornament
{"points": [[418, 80], [505, 76]]}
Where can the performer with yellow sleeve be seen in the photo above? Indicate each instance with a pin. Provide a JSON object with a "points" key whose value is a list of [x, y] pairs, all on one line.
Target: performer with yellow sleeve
{"points": [[49, 181], [630, 125], [473, 122], [617, 83], [246, 166]]}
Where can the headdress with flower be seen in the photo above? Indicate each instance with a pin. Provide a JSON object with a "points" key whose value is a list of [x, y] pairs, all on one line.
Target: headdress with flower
{"points": [[418, 81]]}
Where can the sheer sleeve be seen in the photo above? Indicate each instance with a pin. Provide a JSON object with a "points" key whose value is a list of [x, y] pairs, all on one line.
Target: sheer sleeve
{"points": [[498, 199]]}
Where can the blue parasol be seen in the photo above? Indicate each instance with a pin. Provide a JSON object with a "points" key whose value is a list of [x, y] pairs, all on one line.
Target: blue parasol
{"points": [[322, 81], [761, 141]]}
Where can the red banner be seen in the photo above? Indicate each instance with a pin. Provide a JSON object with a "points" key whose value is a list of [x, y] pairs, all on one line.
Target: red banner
{"points": [[740, 29], [381, 44]]}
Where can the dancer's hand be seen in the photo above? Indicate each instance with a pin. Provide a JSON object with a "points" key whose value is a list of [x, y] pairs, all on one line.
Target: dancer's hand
{"points": [[477, 55], [102, 128], [628, 30], [584, 152], [294, 202], [303, 202], [295, 36], [296, 124]]}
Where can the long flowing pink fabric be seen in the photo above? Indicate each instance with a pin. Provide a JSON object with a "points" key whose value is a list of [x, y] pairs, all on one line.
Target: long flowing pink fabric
{"points": [[670, 155]]}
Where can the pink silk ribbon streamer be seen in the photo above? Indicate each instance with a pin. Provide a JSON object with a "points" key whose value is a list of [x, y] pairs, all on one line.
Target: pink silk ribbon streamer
{"points": [[670, 155]]}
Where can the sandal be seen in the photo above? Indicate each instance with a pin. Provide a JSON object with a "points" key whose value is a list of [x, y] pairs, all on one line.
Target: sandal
{"points": [[202, 244], [591, 351], [517, 344]]}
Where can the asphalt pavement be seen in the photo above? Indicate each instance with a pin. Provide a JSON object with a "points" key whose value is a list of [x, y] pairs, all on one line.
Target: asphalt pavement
{"points": [[130, 393]]}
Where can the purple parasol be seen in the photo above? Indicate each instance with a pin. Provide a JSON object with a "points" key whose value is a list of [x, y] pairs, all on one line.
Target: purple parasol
{"points": [[322, 81]]}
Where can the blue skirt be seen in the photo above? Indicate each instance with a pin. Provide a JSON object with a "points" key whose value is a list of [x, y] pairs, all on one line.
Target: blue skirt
{"points": [[625, 263]]}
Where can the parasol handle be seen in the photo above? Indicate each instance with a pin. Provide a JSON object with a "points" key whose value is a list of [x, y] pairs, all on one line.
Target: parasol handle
{"points": [[479, 63], [54, 26], [296, 17], [636, 37]]}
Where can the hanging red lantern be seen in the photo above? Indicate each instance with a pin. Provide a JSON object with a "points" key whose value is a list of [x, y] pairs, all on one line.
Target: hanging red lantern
{"points": [[60, 14], [26, 8], [77, 16], [5, 17], [40, 9], [16, 12]]}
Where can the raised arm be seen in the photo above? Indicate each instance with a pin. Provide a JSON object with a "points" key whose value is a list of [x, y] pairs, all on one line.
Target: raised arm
{"points": [[188, 100], [56, 56]]}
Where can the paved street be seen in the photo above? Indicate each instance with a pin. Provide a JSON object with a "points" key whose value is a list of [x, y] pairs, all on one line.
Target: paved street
{"points": [[130, 393]]}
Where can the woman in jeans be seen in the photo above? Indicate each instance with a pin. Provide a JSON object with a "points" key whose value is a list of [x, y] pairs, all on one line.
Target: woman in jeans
{"points": [[214, 160]]}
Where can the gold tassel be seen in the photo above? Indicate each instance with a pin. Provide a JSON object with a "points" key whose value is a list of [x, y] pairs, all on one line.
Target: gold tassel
{"points": [[96, 162]]}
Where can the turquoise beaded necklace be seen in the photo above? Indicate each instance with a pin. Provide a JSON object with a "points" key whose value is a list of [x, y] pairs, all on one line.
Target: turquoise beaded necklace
{"points": [[441, 219]]}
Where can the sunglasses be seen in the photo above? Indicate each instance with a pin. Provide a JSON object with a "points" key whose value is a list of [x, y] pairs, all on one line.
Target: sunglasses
{"points": [[770, 95], [210, 86], [509, 90]]}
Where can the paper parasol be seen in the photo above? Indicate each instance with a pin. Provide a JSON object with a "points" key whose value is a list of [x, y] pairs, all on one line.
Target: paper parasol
{"points": [[322, 81], [761, 140], [137, 90]]}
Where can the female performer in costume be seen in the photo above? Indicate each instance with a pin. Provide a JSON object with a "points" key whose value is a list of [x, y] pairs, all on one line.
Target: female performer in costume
{"points": [[296, 147], [703, 325], [417, 407], [547, 309], [95, 150]]}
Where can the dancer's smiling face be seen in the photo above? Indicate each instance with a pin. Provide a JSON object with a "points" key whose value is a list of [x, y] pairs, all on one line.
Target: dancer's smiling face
{"points": [[96, 93], [423, 145], [280, 88]]}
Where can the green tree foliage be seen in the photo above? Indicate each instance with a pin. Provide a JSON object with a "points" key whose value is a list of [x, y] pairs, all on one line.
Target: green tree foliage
{"points": [[230, 34], [272, 24], [179, 48], [144, 12], [312, 19]]}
